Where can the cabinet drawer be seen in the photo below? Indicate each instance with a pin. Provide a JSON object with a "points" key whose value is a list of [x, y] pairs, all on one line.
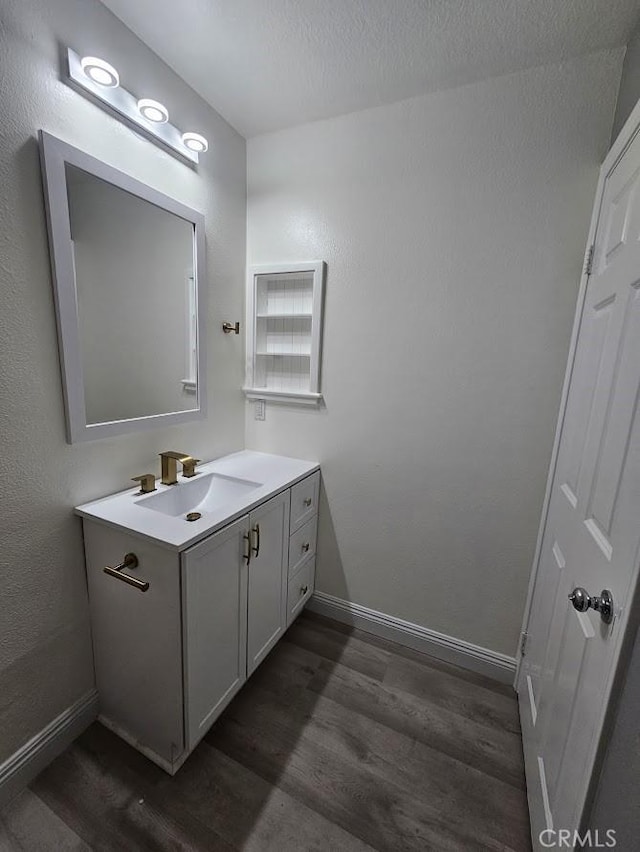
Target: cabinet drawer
{"points": [[304, 500], [302, 544], [300, 589]]}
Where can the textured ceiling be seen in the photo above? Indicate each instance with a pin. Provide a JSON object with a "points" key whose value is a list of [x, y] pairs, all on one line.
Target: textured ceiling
{"points": [[269, 64]]}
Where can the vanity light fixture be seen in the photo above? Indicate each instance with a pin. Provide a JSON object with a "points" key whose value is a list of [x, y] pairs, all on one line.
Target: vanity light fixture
{"points": [[153, 110], [100, 81], [195, 142], [100, 72]]}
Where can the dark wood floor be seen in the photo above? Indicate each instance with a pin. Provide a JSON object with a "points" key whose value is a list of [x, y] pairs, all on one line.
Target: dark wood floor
{"points": [[340, 741]]}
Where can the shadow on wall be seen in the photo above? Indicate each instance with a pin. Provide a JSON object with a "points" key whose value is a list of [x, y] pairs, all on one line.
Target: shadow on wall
{"points": [[329, 569]]}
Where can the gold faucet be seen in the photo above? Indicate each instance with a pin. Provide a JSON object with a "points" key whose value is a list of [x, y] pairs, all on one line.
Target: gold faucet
{"points": [[147, 483], [169, 461]]}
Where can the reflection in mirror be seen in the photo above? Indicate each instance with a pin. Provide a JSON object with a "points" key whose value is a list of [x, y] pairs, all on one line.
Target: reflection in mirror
{"points": [[129, 278], [134, 269]]}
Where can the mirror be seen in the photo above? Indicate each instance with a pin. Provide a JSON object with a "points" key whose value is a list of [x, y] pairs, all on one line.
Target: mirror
{"points": [[128, 270]]}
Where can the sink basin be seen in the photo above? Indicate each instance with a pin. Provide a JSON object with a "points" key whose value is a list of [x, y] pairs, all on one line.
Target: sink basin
{"points": [[221, 491], [204, 493]]}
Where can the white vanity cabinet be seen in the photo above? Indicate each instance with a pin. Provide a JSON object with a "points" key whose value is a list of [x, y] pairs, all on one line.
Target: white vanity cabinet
{"points": [[267, 584], [137, 643], [214, 592], [302, 544], [168, 660]]}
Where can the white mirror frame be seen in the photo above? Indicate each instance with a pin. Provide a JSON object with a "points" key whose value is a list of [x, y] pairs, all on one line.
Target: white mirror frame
{"points": [[55, 154]]}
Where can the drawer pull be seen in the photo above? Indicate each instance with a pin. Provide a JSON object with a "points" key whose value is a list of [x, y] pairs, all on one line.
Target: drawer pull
{"points": [[303, 590], [247, 555], [130, 561], [307, 501], [256, 549], [305, 547]]}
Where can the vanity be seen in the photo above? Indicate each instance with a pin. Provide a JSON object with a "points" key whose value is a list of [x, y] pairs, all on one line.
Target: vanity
{"points": [[191, 583], [190, 608]]}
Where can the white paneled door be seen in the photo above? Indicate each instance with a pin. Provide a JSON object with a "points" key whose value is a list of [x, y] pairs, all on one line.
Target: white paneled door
{"points": [[591, 532]]}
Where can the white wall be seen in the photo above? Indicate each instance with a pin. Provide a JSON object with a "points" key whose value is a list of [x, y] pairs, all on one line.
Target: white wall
{"points": [[454, 228], [45, 642]]}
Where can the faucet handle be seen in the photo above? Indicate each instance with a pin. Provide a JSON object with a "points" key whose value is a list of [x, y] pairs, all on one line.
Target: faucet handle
{"points": [[147, 483], [189, 467]]}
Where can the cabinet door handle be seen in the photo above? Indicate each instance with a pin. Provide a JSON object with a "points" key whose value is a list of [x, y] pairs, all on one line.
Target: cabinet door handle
{"points": [[303, 590], [305, 547], [307, 501], [247, 555], [130, 561], [256, 549]]}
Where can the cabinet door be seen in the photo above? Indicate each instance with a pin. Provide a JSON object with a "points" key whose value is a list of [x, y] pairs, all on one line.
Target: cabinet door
{"points": [[267, 578], [214, 594]]}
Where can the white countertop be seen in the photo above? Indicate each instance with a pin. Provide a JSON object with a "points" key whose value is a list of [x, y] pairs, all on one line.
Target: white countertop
{"points": [[274, 473]]}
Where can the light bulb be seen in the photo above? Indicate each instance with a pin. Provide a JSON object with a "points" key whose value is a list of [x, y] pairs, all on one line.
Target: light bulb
{"points": [[195, 142], [153, 110], [100, 72]]}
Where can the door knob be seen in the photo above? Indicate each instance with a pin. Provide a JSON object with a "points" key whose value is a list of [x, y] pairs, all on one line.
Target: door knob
{"points": [[602, 603]]}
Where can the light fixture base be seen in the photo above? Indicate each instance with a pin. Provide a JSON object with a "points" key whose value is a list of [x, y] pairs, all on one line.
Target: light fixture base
{"points": [[125, 105]]}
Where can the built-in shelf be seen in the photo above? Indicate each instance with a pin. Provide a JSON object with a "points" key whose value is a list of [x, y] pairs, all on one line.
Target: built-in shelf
{"points": [[284, 316], [284, 307], [288, 353], [282, 395]]}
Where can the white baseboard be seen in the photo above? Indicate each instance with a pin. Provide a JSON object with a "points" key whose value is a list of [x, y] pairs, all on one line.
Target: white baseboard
{"points": [[473, 657], [23, 766]]}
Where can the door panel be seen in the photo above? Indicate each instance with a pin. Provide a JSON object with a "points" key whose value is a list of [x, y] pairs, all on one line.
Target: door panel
{"points": [[613, 448], [214, 589], [267, 578], [577, 632], [551, 566], [618, 217], [593, 333], [592, 534]]}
